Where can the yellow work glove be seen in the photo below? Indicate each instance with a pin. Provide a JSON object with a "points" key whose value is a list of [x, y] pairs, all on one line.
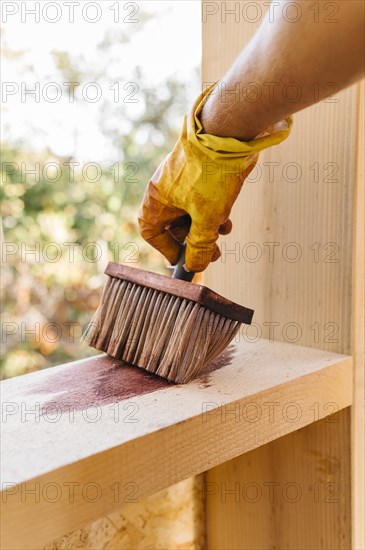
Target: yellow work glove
{"points": [[191, 194]]}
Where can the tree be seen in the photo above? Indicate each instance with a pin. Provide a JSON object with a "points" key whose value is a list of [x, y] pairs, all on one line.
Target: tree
{"points": [[74, 218]]}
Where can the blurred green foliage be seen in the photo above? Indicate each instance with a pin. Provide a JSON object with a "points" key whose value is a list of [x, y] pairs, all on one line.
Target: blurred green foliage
{"points": [[60, 229]]}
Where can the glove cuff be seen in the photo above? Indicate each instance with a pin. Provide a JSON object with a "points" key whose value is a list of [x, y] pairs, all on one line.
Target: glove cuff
{"points": [[219, 148]]}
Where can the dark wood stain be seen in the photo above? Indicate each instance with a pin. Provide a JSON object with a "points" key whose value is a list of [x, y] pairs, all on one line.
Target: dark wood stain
{"points": [[105, 380], [224, 359]]}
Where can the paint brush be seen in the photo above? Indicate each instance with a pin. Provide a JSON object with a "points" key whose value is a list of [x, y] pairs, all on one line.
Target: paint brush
{"points": [[166, 325]]}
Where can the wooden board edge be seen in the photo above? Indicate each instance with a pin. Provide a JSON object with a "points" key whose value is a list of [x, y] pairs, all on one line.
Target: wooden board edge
{"points": [[185, 449]]}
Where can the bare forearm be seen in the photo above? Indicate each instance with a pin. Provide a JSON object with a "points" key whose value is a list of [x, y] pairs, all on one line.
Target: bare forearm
{"points": [[288, 66]]}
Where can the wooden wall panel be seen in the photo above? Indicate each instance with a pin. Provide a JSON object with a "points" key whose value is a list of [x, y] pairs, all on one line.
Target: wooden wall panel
{"points": [[262, 500], [313, 294], [171, 519], [358, 338], [300, 200]]}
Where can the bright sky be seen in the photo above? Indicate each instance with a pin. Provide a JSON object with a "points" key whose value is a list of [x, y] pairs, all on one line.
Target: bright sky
{"points": [[168, 45]]}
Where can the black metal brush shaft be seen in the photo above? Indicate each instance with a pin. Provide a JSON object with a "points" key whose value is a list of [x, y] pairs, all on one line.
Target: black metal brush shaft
{"points": [[179, 270]]}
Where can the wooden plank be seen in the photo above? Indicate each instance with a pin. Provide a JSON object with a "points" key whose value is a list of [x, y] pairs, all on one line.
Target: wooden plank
{"points": [[358, 344], [266, 487], [101, 434], [289, 254], [292, 261]]}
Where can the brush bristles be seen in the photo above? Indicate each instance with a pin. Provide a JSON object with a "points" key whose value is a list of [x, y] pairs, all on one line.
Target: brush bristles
{"points": [[164, 334]]}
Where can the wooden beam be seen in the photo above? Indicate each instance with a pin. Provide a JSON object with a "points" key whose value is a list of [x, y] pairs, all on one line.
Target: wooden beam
{"points": [[358, 330], [259, 501], [84, 438], [298, 262]]}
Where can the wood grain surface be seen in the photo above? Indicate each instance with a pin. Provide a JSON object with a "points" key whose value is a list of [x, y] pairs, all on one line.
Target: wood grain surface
{"points": [[296, 255], [91, 436]]}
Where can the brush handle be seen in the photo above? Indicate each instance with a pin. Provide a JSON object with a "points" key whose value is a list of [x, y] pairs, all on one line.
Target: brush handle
{"points": [[179, 271]]}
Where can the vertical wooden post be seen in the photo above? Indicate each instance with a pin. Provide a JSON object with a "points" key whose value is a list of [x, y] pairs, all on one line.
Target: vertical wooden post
{"points": [[297, 227], [289, 494], [358, 343]]}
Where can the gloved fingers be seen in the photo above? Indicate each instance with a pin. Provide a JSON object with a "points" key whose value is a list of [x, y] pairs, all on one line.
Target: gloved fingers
{"points": [[201, 248], [216, 254], [179, 228], [161, 239], [154, 219], [225, 228]]}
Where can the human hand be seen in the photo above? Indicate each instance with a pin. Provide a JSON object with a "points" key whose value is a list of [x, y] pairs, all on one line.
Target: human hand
{"points": [[191, 194]]}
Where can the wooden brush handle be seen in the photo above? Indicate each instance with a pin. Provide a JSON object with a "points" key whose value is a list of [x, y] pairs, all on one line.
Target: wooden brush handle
{"points": [[183, 289], [179, 271]]}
